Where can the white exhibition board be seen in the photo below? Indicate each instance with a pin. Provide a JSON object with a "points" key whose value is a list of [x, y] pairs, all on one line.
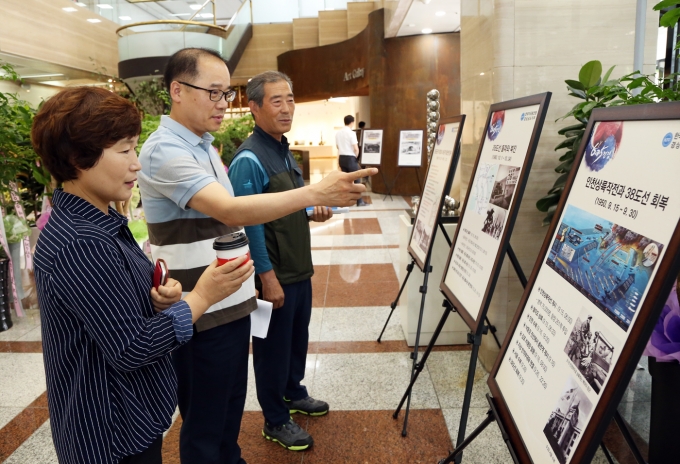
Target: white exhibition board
{"points": [[594, 276], [410, 148], [492, 193], [435, 184], [371, 147]]}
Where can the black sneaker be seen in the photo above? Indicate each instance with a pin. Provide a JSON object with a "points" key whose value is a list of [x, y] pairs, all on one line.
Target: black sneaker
{"points": [[308, 406], [289, 435]]}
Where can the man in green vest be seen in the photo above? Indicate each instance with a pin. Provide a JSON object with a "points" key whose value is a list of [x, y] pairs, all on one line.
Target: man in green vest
{"points": [[281, 250]]}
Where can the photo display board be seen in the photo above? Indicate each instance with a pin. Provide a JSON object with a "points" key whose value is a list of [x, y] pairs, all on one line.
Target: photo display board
{"points": [[371, 147], [410, 148], [491, 204], [597, 289], [437, 184]]}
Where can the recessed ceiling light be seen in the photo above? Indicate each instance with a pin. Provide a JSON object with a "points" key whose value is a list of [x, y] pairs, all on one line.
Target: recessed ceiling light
{"points": [[206, 15], [105, 6], [195, 7], [69, 9], [80, 4], [125, 18], [94, 20], [427, 30], [481, 74], [180, 14], [440, 13]]}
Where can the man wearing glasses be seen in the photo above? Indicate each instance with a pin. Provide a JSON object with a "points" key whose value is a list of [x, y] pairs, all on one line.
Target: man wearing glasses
{"points": [[188, 201]]}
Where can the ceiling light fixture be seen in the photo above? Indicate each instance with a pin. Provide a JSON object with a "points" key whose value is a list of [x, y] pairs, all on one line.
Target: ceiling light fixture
{"points": [[440, 13], [481, 74], [180, 14], [427, 30], [125, 18], [426, 2], [94, 20], [69, 9], [195, 7], [80, 4], [105, 6], [206, 15]]}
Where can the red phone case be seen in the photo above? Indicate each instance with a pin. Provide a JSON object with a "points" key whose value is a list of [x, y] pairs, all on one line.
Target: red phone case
{"points": [[160, 274]]}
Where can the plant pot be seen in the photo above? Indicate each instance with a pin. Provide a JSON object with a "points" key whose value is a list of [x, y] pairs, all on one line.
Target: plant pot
{"points": [[664, 446], [15, 252], [5, 314]]}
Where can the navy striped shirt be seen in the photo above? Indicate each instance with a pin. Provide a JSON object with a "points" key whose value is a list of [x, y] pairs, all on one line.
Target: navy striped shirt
{"points": [[111, 387]]}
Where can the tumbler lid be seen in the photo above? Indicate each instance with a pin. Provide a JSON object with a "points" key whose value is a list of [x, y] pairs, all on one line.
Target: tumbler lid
{"points": [[230, 241]]}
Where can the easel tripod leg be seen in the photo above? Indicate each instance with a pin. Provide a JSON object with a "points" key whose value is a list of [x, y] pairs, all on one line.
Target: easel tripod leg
{"points": [[462, 445], [467, 398], [409, 269], [420, 365], [423, 291], [629, 438]]}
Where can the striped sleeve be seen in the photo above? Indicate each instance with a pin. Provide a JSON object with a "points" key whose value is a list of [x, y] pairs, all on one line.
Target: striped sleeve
{"points": [[91, 279]]}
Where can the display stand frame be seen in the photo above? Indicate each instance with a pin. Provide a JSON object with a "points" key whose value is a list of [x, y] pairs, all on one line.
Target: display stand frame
{"points": [[425, 266], [542, 100], [640, 329]]}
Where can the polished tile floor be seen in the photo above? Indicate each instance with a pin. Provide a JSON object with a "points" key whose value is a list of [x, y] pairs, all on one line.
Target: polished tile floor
{"points": [[356, 277]]}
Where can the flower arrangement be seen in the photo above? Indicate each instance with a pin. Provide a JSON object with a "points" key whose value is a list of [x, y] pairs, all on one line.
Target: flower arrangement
{"points": [[664, 343]]}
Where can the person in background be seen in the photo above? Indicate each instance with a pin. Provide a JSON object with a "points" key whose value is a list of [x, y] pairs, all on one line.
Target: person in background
{"points": [[282, 253], [188, 202], [107, 334], [348, 150]]}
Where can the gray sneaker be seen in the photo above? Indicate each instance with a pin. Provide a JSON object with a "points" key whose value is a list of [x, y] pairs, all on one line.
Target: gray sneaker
{"points": [[289, 435], [308, 406]]}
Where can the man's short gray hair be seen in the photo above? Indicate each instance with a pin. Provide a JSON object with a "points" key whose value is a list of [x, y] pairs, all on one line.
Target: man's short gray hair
{"points": [[255, 87]]}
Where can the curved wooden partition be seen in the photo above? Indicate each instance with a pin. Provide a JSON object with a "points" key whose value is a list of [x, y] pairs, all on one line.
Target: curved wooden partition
{"points": [[395, 73]]}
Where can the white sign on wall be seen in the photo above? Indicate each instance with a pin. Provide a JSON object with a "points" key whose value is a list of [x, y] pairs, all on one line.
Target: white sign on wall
{"points": [[410, 148]]}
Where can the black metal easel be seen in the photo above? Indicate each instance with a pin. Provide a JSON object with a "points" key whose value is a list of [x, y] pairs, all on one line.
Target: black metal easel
{"points": [[492, 415], [475, 339]]}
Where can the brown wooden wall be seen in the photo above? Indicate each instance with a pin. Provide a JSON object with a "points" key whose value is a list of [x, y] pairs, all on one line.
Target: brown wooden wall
{"points": [[398, 73]]}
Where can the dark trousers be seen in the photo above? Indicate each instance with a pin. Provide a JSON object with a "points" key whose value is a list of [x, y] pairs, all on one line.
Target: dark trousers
{"points": [[280, 358], [212, 372], [349, 163], [664, 446], [151, 455]]}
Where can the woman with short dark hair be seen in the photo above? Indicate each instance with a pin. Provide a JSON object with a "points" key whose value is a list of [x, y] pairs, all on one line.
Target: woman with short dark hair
{"points": [[107, 334]]}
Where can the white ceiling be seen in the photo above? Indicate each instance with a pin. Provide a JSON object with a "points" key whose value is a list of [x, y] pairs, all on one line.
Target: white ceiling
{"points": [[422, 16]]}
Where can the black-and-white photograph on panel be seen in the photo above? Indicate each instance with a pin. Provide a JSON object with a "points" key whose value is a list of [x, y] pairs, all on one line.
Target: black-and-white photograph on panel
{"points": [[410, 148], [371, 147], [492, 201], [597, 288], [437, 184]]}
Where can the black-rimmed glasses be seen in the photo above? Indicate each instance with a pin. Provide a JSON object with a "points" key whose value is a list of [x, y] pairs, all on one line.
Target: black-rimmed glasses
{"points": [[215, 94]]}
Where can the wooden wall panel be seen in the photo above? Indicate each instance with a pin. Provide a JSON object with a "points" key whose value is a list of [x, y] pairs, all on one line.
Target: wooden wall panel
{"points": [[269, 41], [319, 73], [398, 73], [413, 66], [41, 30], [357, 16], [305, 33], [332, 26]]}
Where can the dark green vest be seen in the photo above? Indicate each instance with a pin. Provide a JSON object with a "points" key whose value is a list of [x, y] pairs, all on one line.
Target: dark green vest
{"points": [[288, 240]]}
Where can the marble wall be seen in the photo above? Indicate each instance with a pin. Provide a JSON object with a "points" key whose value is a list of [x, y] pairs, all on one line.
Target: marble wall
{"points": [[514, 48]]}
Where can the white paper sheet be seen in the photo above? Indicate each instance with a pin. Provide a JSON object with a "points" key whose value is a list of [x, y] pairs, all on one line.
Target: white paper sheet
{"points": [[259, 319]]}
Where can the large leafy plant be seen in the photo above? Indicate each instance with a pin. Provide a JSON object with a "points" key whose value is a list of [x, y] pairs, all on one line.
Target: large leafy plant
{"points": [[18, 162], [231, 135], [597, 91]]}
